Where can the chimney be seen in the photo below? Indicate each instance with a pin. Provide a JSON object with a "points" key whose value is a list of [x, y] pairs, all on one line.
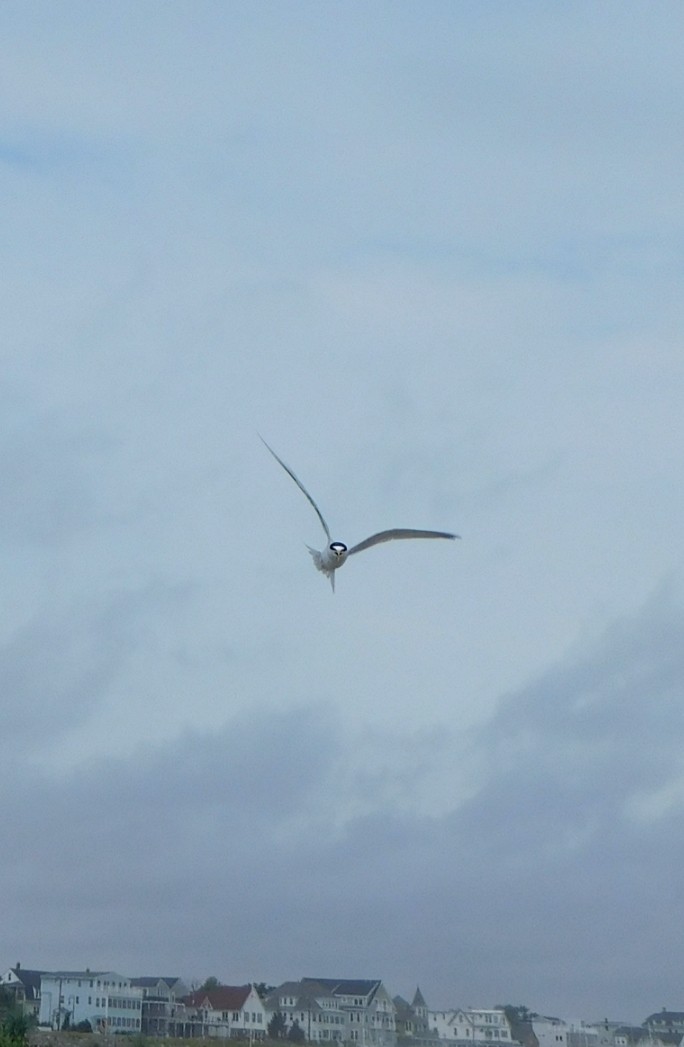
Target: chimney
{"points": [[18, 967]]}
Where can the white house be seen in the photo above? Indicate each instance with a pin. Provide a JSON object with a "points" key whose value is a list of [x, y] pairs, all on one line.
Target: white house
{"points": [[468, 1025], [367, 1007], [644, 1036], [444, 1023], [550, 1032], [229, 1011], [670, 1022], [354, 1011], [162, 1011], [105, 999], [591, 1034], [25, 987], [412, 1019], [489, 1024], [312, 1007]]}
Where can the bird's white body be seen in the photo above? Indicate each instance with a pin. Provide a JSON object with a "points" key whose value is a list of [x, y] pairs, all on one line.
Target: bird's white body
{"points": [[331, 558]]}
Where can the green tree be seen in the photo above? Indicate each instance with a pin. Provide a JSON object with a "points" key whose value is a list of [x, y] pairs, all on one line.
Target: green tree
{"points": [[277, 1027], [210, 983], [14, 1029], [518, 1013], [263, 989], [520, 1020], [7, 1041], [296, 1033]]}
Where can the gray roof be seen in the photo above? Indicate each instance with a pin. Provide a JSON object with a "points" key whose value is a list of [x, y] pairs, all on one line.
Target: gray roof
{"points": [[637, 1034], [305, 995], [418, 999], [76, 974], [149, 980], [347, 986], [30, 981]]}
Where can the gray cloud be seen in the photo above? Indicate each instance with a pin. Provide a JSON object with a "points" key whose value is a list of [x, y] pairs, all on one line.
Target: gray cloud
{"points": [[225, 850], [618, 706]]}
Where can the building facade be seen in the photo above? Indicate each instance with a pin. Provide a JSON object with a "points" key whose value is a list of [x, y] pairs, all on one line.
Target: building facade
{"points": [[339, 1010], [469, 1025], [550, 1032], [163, 1013], [367, 1008], [228, 1011], [311, 1007], [24, 985], [106, 1000]]}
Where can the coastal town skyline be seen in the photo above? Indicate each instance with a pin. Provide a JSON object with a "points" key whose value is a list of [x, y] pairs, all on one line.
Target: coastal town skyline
{"points": [[71, 998]]}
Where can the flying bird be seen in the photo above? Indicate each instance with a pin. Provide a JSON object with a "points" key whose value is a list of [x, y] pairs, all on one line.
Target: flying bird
{"points": [[331, 558]]}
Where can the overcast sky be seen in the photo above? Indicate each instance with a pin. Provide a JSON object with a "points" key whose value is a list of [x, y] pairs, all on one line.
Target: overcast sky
{"points": [[434, 253]]}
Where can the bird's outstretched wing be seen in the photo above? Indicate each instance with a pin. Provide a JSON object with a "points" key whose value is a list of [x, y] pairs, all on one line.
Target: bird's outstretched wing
{"points": [[397, 532], [300, 485]]}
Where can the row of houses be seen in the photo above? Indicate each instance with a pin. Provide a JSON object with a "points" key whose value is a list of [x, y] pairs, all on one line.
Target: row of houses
{"points": [[356, 1013], [319, 1010]]}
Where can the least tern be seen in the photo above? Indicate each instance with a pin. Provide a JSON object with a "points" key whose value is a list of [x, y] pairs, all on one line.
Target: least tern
{"points": [[331, 558]]}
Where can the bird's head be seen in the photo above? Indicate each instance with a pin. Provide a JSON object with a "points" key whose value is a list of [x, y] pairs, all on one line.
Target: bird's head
{"points": [[338, 549]]}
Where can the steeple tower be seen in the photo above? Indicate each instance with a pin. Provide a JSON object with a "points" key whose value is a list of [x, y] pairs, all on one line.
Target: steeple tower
{"points": [[420, 1009]]}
